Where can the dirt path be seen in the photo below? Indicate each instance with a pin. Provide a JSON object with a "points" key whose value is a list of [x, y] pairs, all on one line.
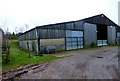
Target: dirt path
{"points": [[101, 63]]}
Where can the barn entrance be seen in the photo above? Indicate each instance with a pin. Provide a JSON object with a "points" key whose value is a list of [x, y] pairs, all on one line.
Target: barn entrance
{"points": [[101, 35]]}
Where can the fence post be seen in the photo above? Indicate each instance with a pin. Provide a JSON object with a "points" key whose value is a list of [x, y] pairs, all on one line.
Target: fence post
{"points": [[7, 54]]}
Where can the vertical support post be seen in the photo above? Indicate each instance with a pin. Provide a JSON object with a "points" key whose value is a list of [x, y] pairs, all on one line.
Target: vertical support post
{"points": [[38, 42], [65, 40], [77, 42], [28, 48], [7, 54], [65, 37]]}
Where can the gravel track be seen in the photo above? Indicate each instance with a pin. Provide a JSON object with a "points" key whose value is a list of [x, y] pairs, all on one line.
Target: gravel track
{"points": [[101, 63], [98, 63]]}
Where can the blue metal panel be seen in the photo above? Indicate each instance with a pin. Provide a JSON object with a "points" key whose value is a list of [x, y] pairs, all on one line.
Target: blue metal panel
{"points": [[70, 33], [118, 34], [74, 39]]}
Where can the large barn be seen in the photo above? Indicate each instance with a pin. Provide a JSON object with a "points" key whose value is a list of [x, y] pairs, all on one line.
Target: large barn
{"points": [[98, 30]]}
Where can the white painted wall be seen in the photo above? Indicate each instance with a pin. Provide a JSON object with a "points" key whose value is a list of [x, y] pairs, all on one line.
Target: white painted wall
{"points": [[29, 45]]}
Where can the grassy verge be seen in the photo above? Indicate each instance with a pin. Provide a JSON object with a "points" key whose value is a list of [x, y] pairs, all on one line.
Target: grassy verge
{"points": [[19, 57]]}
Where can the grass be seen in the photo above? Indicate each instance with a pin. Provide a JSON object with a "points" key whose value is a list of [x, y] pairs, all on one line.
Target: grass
{"points": [[20, 57], [114, 44]]}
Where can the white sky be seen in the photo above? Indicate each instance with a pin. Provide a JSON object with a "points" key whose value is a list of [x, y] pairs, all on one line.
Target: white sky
{"points": [[17, 13]]}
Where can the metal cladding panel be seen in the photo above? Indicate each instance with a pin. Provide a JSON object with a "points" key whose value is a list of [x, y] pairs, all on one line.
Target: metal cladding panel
{"points": [[111, 35], [70, 25], [51, 33], [100, 19], [118, 34], [90, 35], [79, 25], [74, 39], [118, 29], [31, 35]]}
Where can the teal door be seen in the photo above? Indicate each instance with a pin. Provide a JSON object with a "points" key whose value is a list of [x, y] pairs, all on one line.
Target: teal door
{"points": [[118, 38], [74, 39]]}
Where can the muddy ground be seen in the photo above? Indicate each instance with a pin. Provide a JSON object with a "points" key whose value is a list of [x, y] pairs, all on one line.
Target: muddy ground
{"points": [[98, 63]]}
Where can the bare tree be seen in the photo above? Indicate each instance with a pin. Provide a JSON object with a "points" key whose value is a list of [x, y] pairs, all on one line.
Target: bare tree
{"points": [[5, 45], [21, 29], [26, 26], [4, 25], [7, 30], [16, 30]]}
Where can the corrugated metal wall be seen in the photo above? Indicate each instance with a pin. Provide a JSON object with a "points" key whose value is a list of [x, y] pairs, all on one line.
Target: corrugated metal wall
{"points": [[29, 41], [58, 31], [111, 34], [31, 35], [118, 34], [90, 35], [51, 33]]}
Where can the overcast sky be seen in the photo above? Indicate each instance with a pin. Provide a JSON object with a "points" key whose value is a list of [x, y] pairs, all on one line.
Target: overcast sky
{"points": [[17, 13]]}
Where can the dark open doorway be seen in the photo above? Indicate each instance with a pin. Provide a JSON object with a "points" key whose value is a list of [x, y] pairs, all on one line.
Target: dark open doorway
{"points": [[101, 35]]}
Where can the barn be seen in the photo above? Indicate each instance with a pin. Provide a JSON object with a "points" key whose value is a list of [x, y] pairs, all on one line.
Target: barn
{"points": [[97, 30]]}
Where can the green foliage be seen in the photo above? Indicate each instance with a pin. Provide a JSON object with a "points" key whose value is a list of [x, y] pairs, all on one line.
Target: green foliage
{"points": [[19, 57], [13, 36], [90, 46], [93, 45], [10, 36], [14, 43], [114, 44]]}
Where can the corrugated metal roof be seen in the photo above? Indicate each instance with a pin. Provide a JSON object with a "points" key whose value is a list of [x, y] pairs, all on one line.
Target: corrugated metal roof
{"points": [[97, 19], [100, 19]]}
